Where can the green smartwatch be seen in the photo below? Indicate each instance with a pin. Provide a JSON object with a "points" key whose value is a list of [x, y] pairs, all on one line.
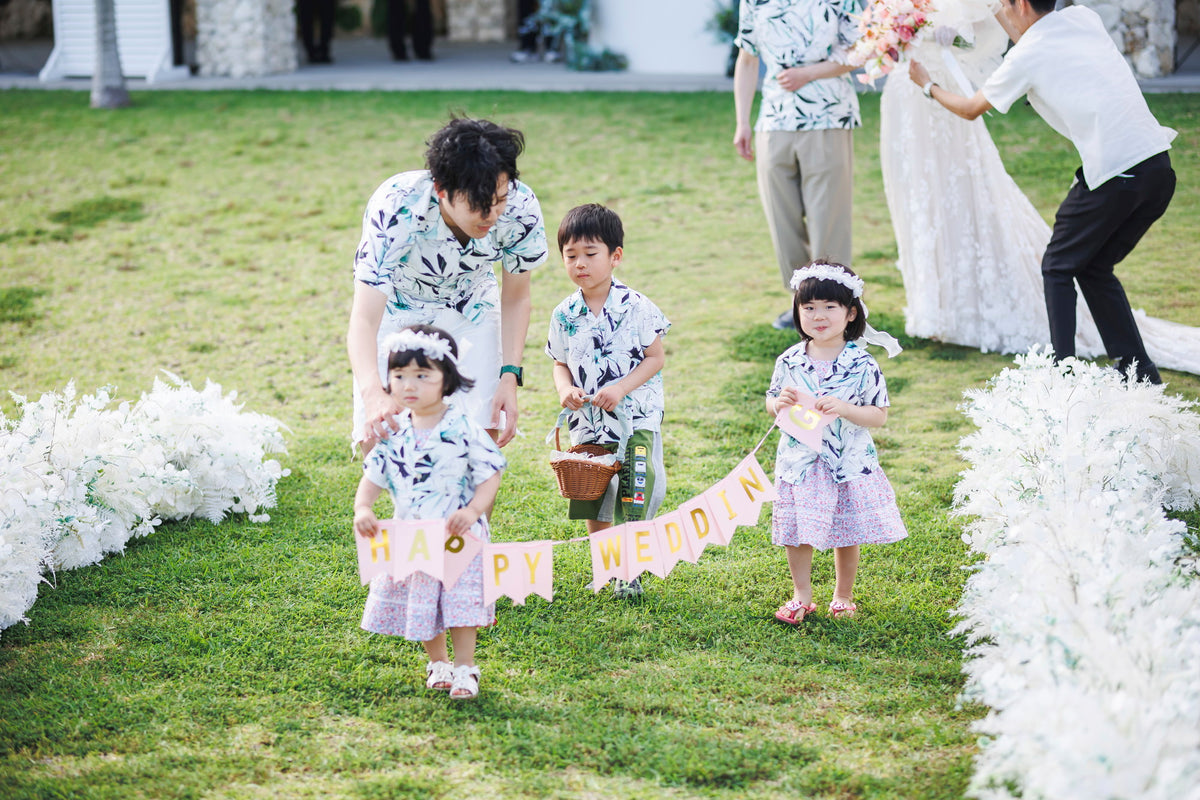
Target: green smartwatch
{"points": [[518, 372]]}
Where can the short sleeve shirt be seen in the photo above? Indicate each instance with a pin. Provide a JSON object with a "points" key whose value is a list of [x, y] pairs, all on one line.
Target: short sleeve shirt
{"points": [[409, 253], [847, 449], [433, 479], [599, 350], [793, 33], [1078, 82]]}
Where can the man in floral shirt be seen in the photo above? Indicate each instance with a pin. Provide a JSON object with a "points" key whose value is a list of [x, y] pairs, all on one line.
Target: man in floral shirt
{"points": [[429, 241], [809, 108]]}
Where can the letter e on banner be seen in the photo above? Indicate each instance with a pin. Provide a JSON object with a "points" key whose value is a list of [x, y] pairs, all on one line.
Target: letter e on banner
{"points": [[644, 549]]}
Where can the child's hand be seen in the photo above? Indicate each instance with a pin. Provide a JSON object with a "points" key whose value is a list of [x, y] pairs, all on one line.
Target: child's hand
{"points": [[608, 398], [365, 522], [572, 398], [832, 405], [788, 397], [459, 523]]}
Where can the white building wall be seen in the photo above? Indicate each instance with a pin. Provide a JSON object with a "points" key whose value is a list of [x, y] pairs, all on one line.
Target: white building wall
{"points": [[666, 37]]}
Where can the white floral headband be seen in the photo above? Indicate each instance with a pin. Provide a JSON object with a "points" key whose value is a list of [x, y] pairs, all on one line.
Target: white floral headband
{"points": [[433, 346], [832, 272]]}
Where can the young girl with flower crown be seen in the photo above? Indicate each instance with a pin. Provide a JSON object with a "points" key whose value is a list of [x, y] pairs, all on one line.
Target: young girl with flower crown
{"points": [[838, 497], [439, 463]]}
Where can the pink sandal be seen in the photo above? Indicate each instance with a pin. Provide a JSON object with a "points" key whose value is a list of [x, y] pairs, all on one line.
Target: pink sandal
{"points": [[788, 612], [839, 609]]}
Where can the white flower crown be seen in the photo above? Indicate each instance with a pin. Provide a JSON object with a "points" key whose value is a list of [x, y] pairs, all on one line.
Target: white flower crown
{"points": [[827, 272], [433, 346]]}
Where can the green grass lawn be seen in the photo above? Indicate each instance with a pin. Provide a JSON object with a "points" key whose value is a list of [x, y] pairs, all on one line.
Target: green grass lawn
{"points": [[211, 234]]}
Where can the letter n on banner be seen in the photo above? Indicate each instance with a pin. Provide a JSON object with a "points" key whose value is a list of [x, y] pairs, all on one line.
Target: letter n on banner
{"points": [[374, 555], [608, 556], [518, 569], [739, 496]]}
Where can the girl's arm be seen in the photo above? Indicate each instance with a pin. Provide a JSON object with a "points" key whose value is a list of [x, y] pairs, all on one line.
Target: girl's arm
{"points": [[865, 416], [570, 395], [460, 522], [653, 359], [365, 521]]}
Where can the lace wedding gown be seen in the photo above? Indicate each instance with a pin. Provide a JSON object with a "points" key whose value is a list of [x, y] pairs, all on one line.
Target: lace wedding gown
{"points": [[970, 243]]}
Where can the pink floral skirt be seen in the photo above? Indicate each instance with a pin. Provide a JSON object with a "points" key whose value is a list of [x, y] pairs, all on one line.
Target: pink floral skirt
{"points": [[824, 513], [420, 608]]}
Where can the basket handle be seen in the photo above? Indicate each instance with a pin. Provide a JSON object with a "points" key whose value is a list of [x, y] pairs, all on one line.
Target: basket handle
{"points": [[622, 419]]}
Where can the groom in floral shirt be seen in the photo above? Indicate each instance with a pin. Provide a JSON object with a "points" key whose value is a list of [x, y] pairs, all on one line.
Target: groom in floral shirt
{"points": [[803, 136]]}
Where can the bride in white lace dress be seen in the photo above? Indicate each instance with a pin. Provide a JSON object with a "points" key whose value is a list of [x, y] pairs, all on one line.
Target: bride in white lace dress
{"points": [[970, 243]]}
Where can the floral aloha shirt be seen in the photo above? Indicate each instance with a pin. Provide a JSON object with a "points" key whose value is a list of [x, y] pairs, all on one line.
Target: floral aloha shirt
{"points": [[433, 479], [409, 253], [792, 33], [601, 350], [847, 449]]}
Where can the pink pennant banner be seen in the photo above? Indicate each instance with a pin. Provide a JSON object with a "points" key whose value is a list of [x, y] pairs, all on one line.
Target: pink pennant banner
{"points": [[673, 545], [700, 523], [803, 422], [374, 555], [418, 546], [643, 549], [460, 552], [608, 556], [518, 569], [738, 497]]}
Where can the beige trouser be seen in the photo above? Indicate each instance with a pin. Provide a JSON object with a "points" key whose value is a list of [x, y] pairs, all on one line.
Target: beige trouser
{"points": [[806, 182]]}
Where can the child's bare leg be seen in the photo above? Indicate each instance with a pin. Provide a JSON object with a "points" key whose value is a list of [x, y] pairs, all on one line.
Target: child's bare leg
{"points": [[595, 526], [845, 564], [435, 648], [800, 565], [464, 646]]}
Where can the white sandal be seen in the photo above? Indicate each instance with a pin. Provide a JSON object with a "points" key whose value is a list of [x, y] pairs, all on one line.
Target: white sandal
{"points": [[439, 676], [466, 683]]}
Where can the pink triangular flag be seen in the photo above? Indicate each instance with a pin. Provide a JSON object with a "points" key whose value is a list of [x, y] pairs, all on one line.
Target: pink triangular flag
{"points": [[739, 496], [700, 523], [803, 422], [460, 552], [608, 556], [518, 569], [374, 555], [417, 546], [644, 552], [673, 543]]}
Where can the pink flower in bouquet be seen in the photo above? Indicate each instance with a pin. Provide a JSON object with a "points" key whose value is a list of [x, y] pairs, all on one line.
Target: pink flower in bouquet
{"points": [[886, 28]]}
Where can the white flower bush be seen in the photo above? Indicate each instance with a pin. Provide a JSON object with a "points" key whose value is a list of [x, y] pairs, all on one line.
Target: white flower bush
{"points": [[1083, 616], [79, 477]]}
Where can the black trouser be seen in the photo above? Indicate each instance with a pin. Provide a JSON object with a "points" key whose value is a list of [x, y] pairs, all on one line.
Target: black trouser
{"points": [[1093, 231], [325, 12], [422, 28]]}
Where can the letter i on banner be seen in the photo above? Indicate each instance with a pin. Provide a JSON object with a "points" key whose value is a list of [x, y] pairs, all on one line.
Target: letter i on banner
{"points": [[739, 496], [374, 555], [517, 570], [608, 556]]}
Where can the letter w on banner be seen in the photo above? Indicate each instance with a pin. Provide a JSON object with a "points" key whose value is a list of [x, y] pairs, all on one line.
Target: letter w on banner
{"points": [[518, 569]]}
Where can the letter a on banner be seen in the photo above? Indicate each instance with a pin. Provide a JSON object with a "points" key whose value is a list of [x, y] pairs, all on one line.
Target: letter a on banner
{"points": [[518, 569], [417, 546], [608, 556], [374, 555]]}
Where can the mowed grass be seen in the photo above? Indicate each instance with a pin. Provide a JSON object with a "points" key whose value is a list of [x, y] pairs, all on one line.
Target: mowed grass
{"points": [[211, 235]]}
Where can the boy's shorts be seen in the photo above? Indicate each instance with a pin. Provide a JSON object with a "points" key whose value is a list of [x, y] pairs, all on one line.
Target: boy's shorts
{"points": [[634, 493]]}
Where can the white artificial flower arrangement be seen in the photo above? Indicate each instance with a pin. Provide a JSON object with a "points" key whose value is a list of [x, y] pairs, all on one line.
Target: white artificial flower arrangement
{"points": [[1083, 616], [80, 477]]}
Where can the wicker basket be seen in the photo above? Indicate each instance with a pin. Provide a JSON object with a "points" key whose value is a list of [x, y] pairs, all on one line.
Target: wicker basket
{"points": [[581, 480]]}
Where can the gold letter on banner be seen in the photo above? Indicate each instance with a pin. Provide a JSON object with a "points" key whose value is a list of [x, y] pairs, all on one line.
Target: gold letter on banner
{"points": [[608, 547]]}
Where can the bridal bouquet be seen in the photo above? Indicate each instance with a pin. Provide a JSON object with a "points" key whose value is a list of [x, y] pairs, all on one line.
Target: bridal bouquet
{"points": [[887, 28]]}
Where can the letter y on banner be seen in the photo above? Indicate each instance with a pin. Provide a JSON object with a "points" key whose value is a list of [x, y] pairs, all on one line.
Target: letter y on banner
{"points": [[518, 569]]}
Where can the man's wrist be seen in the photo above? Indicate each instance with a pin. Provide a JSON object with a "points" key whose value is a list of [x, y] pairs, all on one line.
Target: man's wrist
{"points": [[518, 373], [927, 89]]}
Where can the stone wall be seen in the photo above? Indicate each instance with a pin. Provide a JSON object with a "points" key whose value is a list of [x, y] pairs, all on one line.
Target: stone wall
{"points": [[476, 21], [1144, 31], [244, 38]]}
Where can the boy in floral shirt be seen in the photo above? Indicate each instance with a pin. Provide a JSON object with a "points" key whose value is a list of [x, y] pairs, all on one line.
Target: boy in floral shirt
{"points": [[606, 342]]}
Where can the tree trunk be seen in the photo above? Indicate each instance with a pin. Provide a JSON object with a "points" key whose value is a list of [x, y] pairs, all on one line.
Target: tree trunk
{"points": [[108, 83]]}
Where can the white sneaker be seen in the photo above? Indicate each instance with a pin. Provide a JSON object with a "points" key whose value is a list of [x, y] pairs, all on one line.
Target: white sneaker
{"points": [[551, 56], [523, 57]]}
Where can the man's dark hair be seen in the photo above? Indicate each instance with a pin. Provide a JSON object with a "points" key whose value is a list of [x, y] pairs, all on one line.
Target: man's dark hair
{"points": [[591, 223], [1041, 6], [470, 155]]}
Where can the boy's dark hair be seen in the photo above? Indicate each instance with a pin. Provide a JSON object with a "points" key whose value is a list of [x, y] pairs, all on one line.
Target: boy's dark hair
{"points": [[452, 379], [470, 155], [591, 223], [824, 289]]}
